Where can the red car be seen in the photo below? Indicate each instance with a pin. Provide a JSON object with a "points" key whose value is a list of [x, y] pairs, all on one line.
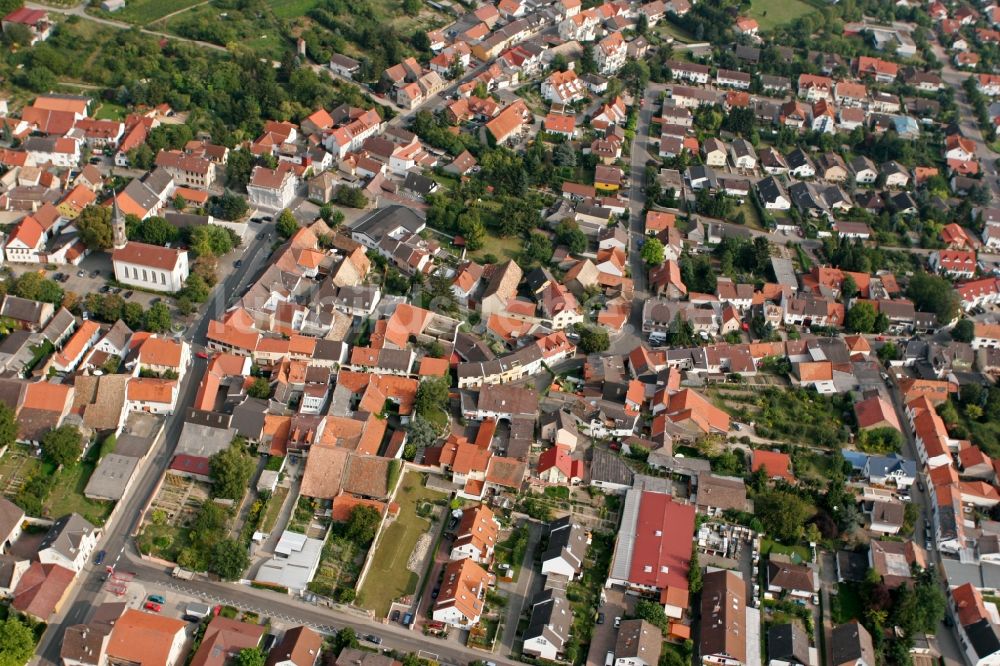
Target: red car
{"points": [[201, 355], [153, 606]]}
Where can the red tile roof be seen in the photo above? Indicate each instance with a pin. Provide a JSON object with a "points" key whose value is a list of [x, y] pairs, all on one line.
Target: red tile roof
{"points": [[661, 553], [777, 465]]}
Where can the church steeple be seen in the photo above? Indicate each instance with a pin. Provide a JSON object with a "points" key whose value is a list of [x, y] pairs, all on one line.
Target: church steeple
{"points": [[117, 223]]}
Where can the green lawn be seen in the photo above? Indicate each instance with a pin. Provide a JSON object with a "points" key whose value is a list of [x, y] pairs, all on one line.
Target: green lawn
{"points": [[772, 13], [668, 29], [291, 8], [273, 509], [502, 248], [798, 553], [109, 111], [67, 496], [144, 12], [388, 577], [846, 606]]}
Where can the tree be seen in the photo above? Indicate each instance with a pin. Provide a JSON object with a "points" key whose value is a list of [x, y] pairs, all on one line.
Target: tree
{"points": [[861, 317], [568, 233], [63, 445], [848, 288], [132, 315], [345, 638], [229, 206], [694, 573], [881, 324], [564, 155], [432, 395], [651, 612], [363, 524], [231, 470], [352, 197], [933, 293], [260, 388], [17, 643], [593, 339], [250, 657], [287, 225], [94, 225], [538, 248], [412, 7], [154, 230], [652, 252], [195, 289], [36, 287], [180, 203], [783, 514], [888, 352], [8, 425], [157, 319], [421, 433], [964, 331], [229, 559]]}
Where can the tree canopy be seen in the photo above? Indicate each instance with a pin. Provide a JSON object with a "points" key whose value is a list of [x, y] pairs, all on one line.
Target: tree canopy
{"points": [[94, 225], [933, 293], [363, 524], [784, 514], [653, 252], [286, 225], [229, 559], [17, 643], [963, 331], [63, 445], [231, 470], [432, 395]]}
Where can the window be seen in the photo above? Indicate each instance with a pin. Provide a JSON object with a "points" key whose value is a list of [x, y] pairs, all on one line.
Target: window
{"points": [[145, 278], [163, 278]]}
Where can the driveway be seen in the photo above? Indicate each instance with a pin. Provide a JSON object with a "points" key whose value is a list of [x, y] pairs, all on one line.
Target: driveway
{"points": [[616, 604], [520, 593]]}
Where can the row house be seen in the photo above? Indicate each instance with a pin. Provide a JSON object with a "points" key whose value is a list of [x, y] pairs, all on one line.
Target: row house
{"points": [[689, 71]]}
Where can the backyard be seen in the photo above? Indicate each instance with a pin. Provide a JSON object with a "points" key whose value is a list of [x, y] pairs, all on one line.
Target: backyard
{"points": [[33, 484], [846, 604], [67, 496], [273, 509], [338, 569], [793, 415], [397, 561]]}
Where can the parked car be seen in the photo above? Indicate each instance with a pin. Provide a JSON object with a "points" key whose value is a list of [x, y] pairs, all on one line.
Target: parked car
{"points": [[81, 273], [157, 598], [815, 600], [201, 354], [600, 618], [920, 486], [156, 608], [269, 641], [372, 638], [95, 274], [407, 619], [128, 294], [618, 621], [237, 263]]}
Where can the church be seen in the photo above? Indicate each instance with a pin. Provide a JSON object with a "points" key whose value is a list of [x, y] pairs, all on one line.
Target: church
{"points": [[146, 266]]}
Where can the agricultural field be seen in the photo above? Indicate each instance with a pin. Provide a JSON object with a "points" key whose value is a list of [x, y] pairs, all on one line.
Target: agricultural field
{"points": [[392, 573]]}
